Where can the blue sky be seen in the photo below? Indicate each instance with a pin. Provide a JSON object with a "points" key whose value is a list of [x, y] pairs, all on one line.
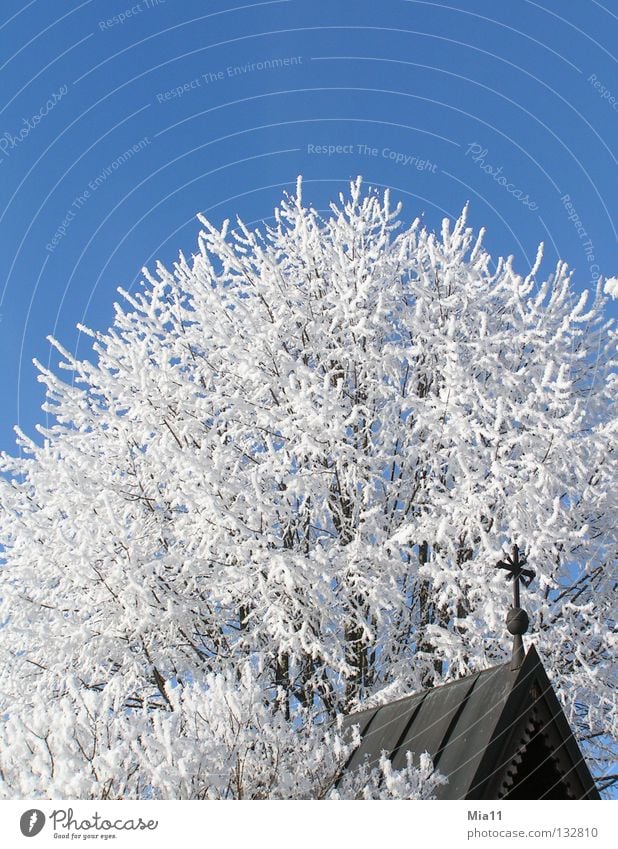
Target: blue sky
{"points": [[119, 121]]}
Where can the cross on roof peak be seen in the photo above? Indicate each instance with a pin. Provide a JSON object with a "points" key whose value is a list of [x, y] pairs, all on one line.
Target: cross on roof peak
{"points": [[517, 619]]}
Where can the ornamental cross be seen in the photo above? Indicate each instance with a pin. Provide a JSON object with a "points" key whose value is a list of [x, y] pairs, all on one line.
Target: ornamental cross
{"points": [[514, 565], [517, 620]]}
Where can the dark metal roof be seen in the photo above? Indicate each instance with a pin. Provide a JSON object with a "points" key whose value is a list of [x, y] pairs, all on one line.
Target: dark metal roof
{"points": [[500, 733]]}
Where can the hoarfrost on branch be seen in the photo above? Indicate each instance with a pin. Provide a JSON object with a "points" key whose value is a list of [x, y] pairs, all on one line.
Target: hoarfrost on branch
{"points": [[279, 490]]}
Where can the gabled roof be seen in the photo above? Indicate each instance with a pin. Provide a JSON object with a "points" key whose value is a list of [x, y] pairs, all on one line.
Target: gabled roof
{"points": [[500, 733]]}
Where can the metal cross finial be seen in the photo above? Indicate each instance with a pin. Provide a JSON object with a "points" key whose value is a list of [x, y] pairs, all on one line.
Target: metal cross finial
{"points": [[517, 620]]}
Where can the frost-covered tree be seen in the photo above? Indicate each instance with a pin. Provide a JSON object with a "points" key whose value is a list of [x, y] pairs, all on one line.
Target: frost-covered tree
{"points": [[280, 490]]}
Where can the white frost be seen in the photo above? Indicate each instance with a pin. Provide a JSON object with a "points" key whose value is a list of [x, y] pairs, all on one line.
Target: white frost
{"points": [[280, 489], [611, 287]]}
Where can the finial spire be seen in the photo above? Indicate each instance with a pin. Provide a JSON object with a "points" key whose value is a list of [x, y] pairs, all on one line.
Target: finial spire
{"points": [[517, 620]]}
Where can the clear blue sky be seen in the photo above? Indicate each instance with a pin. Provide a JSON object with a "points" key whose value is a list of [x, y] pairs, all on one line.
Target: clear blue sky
{"points": [[511, 106]]}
